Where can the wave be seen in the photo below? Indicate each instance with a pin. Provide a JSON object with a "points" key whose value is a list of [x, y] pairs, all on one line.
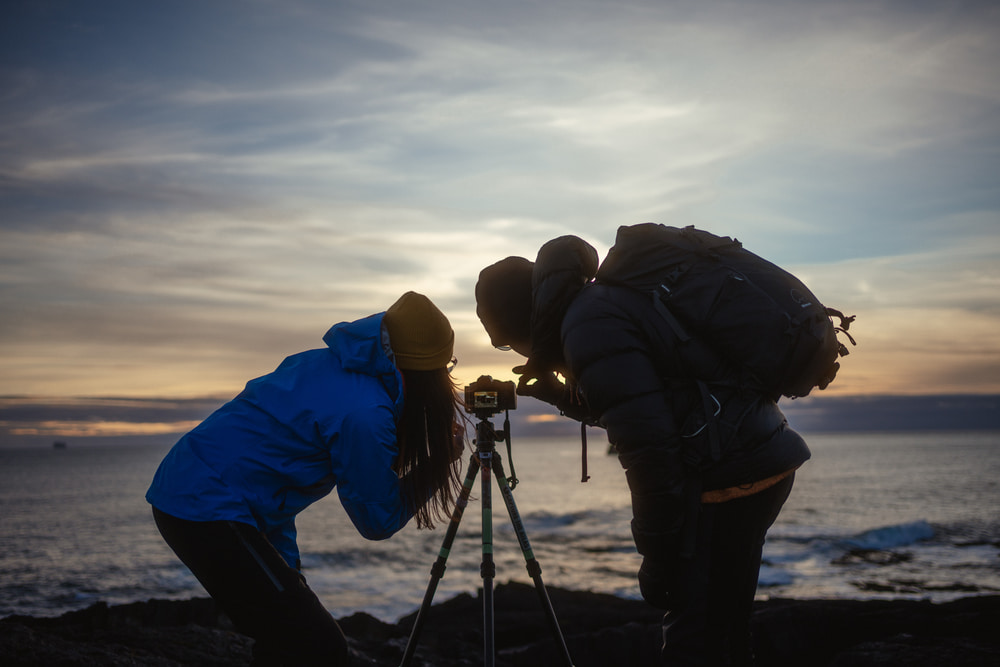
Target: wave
{"points": [[891, 537], [578, 523], [883, 537]]}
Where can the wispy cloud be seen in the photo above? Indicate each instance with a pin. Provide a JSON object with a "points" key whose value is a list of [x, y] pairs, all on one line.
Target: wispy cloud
{"points": [[189, 192]]}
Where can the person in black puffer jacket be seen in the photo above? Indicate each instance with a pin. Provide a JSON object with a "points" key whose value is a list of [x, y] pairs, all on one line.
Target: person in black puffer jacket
{"points": [[709, 460]]}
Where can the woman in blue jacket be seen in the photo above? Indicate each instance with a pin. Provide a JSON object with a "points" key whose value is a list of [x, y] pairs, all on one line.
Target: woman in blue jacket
{"points": [[374, 413]]}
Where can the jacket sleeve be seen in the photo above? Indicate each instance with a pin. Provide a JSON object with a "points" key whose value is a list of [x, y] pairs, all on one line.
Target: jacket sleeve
{"points": [[607, 352], [608, 355], [368, 487], [283, 538]]}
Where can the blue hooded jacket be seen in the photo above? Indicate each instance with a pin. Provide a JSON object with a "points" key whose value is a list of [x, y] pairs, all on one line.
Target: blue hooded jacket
{"points": [[323, 418]]}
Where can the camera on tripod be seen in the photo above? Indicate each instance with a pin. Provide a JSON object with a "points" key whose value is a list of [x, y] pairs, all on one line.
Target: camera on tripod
{"points": [[486, 397]]}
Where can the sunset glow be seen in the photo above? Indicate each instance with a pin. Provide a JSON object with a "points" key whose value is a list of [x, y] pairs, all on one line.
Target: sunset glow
{"points": [[192, 194]]}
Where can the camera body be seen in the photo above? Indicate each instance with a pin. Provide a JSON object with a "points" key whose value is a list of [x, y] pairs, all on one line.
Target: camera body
{"points": [[486, 397]]}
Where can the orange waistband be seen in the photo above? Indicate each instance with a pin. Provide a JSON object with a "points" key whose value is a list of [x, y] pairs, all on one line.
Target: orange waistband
{"points": [[743, 490]]}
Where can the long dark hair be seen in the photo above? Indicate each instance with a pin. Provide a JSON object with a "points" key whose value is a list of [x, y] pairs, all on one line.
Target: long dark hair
{"points": [[429, 462]]}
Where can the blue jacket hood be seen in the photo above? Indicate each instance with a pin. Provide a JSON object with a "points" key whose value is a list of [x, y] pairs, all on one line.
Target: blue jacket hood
{"points": [[363, 347]]}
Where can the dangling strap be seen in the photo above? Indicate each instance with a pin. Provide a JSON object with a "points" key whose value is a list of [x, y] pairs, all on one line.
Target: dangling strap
{"points": [[583, 441], [512, 480], [692, 492], [712, 408]]}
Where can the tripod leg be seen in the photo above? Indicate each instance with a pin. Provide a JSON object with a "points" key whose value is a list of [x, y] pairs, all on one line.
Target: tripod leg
{"points": [[533, 567], [437, 570], [488, 568]]}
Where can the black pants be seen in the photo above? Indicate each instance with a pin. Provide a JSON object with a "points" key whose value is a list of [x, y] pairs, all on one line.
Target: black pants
{"points": [[710, 624], [264, 597]]}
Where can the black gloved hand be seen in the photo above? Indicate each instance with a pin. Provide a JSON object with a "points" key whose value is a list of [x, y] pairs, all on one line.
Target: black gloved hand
{"points": [[543, 385], [546, 386], [654, 583]]}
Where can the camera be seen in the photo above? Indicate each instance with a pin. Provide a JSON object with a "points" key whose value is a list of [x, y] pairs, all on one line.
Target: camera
{"points": [[486, 397]]}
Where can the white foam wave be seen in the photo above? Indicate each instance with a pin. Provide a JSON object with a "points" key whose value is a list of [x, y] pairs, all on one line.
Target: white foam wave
{"points": [[889, 537]]}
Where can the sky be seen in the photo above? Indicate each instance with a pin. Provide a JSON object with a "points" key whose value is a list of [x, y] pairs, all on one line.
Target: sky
{"points": [[191, 191]]}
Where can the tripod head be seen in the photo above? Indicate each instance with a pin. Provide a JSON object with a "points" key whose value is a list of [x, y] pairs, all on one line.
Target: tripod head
{"points": [[486, 397]]}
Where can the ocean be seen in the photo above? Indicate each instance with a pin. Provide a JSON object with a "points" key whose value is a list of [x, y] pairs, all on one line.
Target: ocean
{"points": [[873, 515]]}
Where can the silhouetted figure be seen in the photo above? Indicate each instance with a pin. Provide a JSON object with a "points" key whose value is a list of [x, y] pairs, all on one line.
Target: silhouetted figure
{"points": [[699, 522], [373, 414]]}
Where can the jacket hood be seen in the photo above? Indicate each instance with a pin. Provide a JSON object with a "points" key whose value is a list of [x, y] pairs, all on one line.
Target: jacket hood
{"points": [[563, 266], [363, 347]]}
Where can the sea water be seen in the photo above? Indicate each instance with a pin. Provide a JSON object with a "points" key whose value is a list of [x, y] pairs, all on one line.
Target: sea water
{"points": [[880, 515]]}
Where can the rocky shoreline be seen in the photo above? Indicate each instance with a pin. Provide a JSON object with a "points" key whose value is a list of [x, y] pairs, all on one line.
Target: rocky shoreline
{"points": [[600, 630]]}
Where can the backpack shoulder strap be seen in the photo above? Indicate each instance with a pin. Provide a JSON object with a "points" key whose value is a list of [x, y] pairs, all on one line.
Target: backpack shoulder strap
{"points": [[664, 312]]}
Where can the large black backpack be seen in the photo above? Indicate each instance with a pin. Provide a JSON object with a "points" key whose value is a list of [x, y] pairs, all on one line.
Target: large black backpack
{"points": [[750, 311]]}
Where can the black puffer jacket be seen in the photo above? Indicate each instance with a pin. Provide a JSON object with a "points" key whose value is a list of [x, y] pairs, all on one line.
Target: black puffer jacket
{"points": [[642, 384]]}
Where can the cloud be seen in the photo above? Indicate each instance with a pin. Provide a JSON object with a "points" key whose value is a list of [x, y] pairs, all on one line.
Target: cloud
{"points": [[189, 191]]}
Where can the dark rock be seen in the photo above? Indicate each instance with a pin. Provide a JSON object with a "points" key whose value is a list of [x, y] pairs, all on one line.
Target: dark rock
{"points": [[855, 633], [600, 630]]}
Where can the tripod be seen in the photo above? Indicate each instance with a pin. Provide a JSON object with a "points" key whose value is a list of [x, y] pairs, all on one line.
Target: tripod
{"points": [[487, 461]]}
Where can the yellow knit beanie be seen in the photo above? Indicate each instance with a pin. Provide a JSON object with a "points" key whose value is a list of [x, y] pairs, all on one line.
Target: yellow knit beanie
{"points": [[419, 334]]}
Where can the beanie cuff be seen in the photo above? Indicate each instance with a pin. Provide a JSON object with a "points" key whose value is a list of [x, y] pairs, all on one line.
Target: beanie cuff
{"points": [[425, 360]]}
